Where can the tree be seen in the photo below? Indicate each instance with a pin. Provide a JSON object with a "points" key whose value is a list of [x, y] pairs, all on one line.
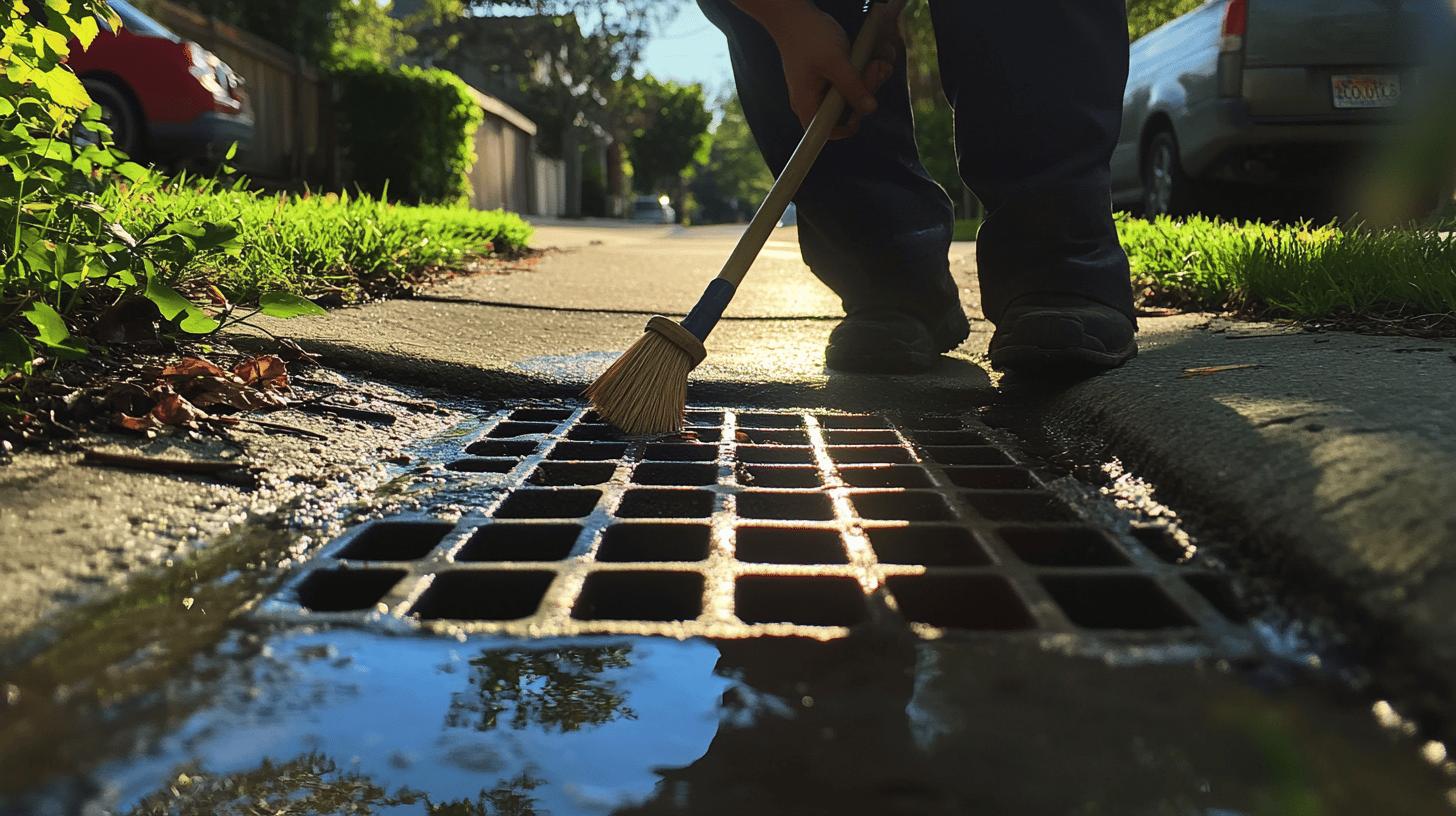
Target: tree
{"points": [[669, 133], [733, 181], [1145, 15]]}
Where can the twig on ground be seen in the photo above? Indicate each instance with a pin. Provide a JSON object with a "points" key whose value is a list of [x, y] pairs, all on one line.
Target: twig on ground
{"points": [[284, 428], [159, 464]]}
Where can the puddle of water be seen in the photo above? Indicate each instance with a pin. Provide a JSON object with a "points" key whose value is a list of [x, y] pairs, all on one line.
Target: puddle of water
{"points": [[320, 722]]}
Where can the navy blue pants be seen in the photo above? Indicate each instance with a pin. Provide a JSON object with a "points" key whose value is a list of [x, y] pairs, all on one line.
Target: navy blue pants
{"points": [[1037, 91]]}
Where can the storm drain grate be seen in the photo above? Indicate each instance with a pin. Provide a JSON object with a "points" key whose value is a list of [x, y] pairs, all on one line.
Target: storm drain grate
{"points": [[760, 523]]}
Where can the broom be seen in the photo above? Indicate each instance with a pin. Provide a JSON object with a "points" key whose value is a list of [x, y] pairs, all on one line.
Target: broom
{"points": [[645, 390]]}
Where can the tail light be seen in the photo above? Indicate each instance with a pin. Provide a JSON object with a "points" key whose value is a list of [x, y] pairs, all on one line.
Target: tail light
{"points": [[1235, 26]]}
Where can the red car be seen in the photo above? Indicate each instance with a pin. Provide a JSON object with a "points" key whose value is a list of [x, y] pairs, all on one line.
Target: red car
{"points": [[166, 99]]}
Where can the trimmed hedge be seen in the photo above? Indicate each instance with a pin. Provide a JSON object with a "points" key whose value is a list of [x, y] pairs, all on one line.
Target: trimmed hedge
{"points": [[408, 132]]}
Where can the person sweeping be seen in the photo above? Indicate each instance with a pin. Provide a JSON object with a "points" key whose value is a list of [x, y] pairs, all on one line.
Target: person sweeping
{"points": [[1037, 92]]}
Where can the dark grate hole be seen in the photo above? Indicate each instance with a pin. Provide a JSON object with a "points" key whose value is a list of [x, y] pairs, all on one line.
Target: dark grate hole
{"points": [[711, 436], [681, 452], [852, 421], [869, 454], [1019, 505], [482, 595], [1219, 591], [559, 474], [803, 601], [396, 541], [929, 438], [508, 429], [482, 465], [491, 447], [346, 590], [903, 506], [588, 451], [970, 455], [862, 437], [991, 478], [792, 506], [585, 432], [774, 437], [520, 542], [1163, 542], [541, 414], [778, 476], [648, 596], [1063, 546], [933, 423], [927, 545], [750, 420], [884, 476], [655, 542], [680, 474], [548, 503], [786, 545], [1115, 602], [960, 601], [775, 455], [704, 418], [642, 503]]}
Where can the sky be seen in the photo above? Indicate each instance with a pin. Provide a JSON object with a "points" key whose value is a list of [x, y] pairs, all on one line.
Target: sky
{"points": [[690, 49]]}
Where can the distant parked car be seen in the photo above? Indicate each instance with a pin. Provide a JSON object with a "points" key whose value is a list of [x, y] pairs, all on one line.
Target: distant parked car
{"points": [[166, 99], [1261, 92], [653, 210]]}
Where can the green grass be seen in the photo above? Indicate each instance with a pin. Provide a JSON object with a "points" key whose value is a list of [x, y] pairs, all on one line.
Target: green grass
{"points": [[355, 246], [1299, 271]]}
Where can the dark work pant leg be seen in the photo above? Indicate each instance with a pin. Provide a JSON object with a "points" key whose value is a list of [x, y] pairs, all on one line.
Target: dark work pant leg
{"points": [[1037, 88], [873, 225]]}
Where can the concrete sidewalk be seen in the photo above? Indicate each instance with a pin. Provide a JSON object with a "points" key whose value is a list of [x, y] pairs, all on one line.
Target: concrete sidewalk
{"points": [[1331, 453]]}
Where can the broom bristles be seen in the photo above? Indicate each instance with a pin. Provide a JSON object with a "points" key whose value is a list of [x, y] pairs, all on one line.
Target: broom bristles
{"points": [[646, 390]]}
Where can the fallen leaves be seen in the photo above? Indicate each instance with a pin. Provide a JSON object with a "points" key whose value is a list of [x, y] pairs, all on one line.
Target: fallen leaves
{"points": [[193, 390]]}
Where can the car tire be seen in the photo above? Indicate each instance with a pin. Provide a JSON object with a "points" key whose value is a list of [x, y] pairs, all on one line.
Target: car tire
{"points": [[1167, 190], [119, 111]]}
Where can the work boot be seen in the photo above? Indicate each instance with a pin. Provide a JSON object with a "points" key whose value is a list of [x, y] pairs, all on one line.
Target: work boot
{"points": [[1062, 334], [882, 341]]}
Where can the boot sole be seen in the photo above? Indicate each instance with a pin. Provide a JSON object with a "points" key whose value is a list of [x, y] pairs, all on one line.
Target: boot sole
{"points": [[1038, 358], [886, 358]]}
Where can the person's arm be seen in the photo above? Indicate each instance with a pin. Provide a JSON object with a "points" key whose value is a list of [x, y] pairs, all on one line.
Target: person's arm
{"points": [[815, 52]]}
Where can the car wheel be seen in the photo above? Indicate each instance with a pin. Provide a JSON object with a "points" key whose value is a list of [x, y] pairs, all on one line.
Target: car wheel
{"points": [[118, 112], [1166, 189]]}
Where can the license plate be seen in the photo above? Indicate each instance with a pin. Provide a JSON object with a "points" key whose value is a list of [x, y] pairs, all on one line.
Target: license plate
{"points": [[1366, 90]]}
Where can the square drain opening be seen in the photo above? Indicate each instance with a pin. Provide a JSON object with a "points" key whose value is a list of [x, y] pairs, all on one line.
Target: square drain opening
{"points": [[862, 437], [701, 418], [347, 590], [885, 476], [645, 596], [930, 545], [991, 477], [594, 432], [572, 474], [482, 465], [767, 504], [508, 429], [680, 452], [773, 436], [541, 414], [645, 503], [655, 542], [975, 602], [1219, 591], [588, 451], [545, 502], [748, 419], [775, 455], [956, 437], [492, 447], [396, 541], [788, 545], [1031, 506], [972, 455], [852, 422], [779, 476], [503, 541], [869, 455], [484, 595], [1063, 546], [676, 474], [1131, 602], [902, 505], [803, 601]]}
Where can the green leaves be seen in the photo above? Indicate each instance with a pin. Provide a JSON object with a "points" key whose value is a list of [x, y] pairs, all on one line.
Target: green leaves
{"points": [[51, 331], [176, 307], [15, 351], [285, 305]]}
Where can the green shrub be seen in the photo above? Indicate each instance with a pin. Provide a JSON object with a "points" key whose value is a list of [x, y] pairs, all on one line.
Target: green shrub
{"points": [[409, 133]]}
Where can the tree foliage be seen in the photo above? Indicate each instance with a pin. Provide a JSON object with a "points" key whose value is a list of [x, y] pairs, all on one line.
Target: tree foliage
{"points": [[733, 181], [669, 132], [1145, 15]]}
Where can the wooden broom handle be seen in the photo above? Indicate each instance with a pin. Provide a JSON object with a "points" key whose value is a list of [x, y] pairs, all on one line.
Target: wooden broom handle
{"points": [[879, 22]]}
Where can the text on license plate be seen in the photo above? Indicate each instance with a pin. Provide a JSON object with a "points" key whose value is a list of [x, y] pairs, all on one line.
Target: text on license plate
{"points": [[1366, 90]]}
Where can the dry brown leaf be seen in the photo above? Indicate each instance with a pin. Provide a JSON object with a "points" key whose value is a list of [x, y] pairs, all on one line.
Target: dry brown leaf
{"points": [[263, 371], [175, 410], [1206, 371], [196, 367]]}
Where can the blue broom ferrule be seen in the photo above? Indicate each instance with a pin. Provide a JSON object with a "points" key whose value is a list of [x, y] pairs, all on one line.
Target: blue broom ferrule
{"points": [[709, 310]]}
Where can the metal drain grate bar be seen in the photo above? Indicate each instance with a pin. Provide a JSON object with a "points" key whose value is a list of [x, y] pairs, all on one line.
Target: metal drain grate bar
{"points": [[758, 522]]}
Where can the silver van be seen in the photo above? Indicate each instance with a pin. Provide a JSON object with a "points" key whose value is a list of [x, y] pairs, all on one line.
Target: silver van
{"points": [[1263, 93]]}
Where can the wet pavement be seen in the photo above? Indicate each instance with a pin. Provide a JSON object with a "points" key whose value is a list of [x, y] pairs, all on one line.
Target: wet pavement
{"points": [[192, 694]]}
